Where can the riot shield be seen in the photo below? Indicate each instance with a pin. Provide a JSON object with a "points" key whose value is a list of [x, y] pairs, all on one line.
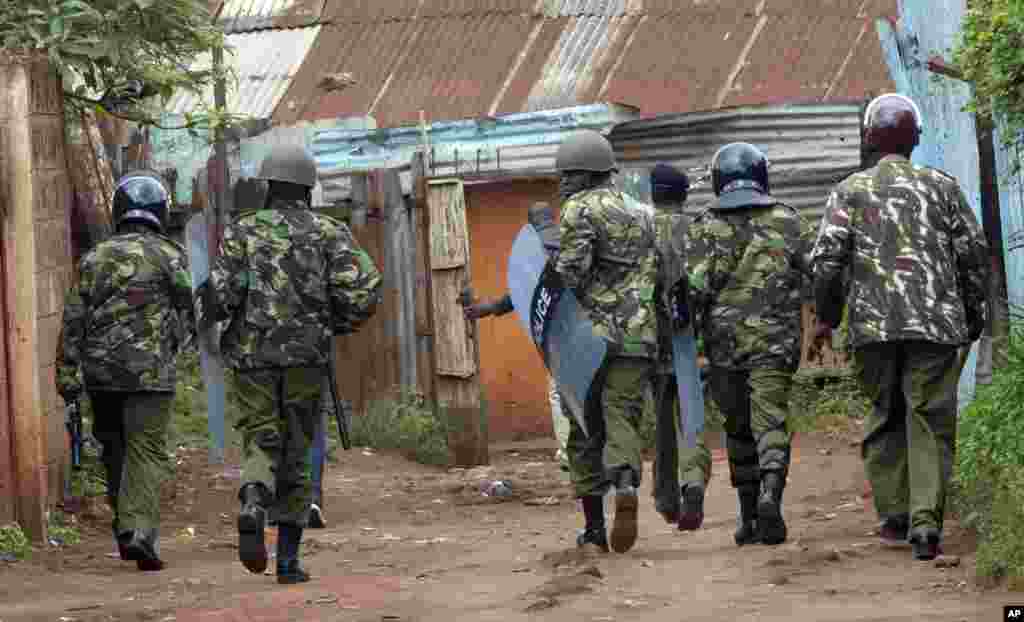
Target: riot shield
{"points": [[209, 355], [691, 394], [558, 326]]}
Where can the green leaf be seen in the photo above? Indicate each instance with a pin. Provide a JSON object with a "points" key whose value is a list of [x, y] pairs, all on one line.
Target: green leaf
{"points": [[144, 4]]}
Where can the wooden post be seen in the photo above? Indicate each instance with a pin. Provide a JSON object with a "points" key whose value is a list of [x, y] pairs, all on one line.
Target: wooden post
{"points": [[455, 350], [32, 148]]}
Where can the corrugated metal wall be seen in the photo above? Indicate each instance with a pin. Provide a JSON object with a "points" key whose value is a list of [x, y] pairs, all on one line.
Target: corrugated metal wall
{"points": [[810, 148], [1011, 206], [950, 140]]}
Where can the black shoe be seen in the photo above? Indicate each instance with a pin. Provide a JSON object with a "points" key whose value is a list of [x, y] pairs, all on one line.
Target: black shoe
{"points": [[624, 527], [770, 525], [692, 516], [747, 532], [252, 549], [316, 517], [290, 573], [895, 531], [925, 541], [593, 537], [140, 547], [121, 539]]}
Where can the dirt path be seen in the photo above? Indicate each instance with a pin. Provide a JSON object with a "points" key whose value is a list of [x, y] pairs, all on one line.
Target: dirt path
{"points": [[408, 543]]}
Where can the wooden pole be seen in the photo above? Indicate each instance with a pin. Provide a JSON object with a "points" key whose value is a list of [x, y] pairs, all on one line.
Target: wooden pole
{"points": [[22, 149]]}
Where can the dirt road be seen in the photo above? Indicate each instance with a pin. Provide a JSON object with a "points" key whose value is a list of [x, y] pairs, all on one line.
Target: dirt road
{"points": [[409, 543]]}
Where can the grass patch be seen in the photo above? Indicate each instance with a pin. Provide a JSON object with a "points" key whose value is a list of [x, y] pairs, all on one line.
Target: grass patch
{"points": [[14, 542], [404, 423], [989, 479], [63, 529], [826, 403]]}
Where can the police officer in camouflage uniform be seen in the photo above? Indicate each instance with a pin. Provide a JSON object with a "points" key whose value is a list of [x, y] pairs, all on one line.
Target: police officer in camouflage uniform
{"points": [[747, 260], [608, 259], [287, 280], [669, 190], [124, 324], [918, 264]]}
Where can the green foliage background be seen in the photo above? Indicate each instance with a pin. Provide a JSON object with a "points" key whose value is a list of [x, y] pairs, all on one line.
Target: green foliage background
{"points": [[990, 54], [97, 45]]}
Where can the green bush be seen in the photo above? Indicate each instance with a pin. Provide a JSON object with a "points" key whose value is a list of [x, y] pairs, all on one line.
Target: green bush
{"points": [[826, 403], [404, 423], [63, 529], [13, 541], [989, 482]]}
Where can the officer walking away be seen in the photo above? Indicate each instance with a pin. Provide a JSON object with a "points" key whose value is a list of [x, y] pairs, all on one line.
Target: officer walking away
{"points": [[669, 190], [286, 280], [124, 324], [544, 221], [918, 265], [747, 266], [609, 260]]}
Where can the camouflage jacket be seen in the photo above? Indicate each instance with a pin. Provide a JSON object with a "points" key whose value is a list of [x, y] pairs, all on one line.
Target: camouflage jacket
{"points": [[670, 225], [917, 258], [127, 317], [286, 280], [608, 258], [747, 275]]}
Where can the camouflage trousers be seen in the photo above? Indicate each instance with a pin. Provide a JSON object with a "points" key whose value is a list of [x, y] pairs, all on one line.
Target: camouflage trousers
{"points": [[132, 427], [675, 465], [280, 412], [755, 404], [614, 412], [910, 436]]}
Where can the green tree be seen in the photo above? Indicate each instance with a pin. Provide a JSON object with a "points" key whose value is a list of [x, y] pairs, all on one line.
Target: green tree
{"points": [[117, 54], [990, 55]]}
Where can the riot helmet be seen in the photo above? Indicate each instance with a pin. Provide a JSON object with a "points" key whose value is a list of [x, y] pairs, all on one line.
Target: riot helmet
{"points": [[141, 197], [669, 184], [892, 124], [585, 150], [739, 174], [291, 164]]}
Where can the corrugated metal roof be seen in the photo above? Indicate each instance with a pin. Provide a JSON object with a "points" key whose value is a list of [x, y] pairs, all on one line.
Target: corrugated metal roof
{"points": [[464, 58], [265, 61], [250, 15], [810, 147], [450, 67], [523, 143]]}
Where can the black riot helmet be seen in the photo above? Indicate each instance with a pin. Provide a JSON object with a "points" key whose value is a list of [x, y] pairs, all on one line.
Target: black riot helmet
{"points": [[141, 197], [669, 184], [739, 174]]}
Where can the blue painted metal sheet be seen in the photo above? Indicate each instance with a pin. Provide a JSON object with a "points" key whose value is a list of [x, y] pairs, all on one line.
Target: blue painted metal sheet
{"points": [[950, 139], [1011, 208]]}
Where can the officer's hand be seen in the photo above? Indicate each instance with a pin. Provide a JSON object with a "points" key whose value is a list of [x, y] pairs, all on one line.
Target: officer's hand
{"points": [[474, 312]]}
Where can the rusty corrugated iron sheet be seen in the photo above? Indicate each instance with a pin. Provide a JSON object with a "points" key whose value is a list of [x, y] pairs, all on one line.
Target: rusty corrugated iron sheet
{"points": [[265, 61], [238, 16], [459, 59], [810, 147], [449, 67]]}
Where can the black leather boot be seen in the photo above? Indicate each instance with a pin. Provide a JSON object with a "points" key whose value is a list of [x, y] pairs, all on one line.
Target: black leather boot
{"points": [[926, 542], [594, 534], [289, 572], [627, 505], [252, 520], [692, 516], [141, 547], [770, 525], [746, 531]]}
